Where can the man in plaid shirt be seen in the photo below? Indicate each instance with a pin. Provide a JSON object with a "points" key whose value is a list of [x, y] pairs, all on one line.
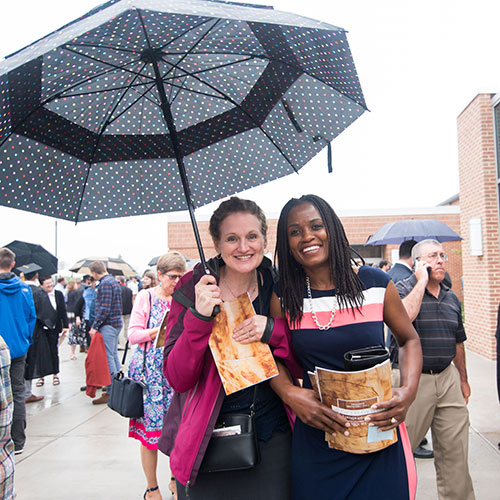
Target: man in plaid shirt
{"points": [[108, 319]]}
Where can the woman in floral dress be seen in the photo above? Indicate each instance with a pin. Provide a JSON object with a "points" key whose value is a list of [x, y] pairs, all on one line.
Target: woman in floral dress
{"points": [[149, 309]]}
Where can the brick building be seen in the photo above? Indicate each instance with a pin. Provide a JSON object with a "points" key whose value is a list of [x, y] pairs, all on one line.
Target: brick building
{"points": [[478, 169]]}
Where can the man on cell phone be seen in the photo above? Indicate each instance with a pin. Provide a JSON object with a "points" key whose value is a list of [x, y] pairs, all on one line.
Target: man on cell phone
{"points": [[443, 391]]}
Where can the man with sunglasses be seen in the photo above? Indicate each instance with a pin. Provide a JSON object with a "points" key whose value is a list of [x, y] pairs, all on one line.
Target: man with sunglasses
{"points": [[443, 391]]}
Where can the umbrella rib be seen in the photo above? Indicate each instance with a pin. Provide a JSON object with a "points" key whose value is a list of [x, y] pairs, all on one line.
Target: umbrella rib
{"points": [[122, 49], [128, 107], [111, 65], [108, 119], [234, 103], [293, 66], [99, 137], [103, 91]]}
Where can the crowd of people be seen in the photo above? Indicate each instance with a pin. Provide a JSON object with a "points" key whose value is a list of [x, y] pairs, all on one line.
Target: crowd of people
{"points": [[315, 303]]}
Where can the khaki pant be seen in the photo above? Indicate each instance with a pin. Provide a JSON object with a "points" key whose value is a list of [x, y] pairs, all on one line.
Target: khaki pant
{"points": [[440, 406]]}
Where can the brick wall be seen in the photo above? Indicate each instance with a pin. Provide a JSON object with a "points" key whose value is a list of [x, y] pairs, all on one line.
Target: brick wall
{"points": [[358, 228], [478, 199]]}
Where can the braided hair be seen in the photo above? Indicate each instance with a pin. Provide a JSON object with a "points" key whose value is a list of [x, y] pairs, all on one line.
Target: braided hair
{"points": [[349, 287]]}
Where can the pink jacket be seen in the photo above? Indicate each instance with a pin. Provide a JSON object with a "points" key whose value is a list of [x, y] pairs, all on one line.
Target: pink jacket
{"points": [[138, 331], [190, 369]]}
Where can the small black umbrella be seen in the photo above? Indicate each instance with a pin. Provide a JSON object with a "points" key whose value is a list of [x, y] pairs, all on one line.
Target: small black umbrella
{"points": [[116, 267], [412, 229], [28, 253], [148, 106]]}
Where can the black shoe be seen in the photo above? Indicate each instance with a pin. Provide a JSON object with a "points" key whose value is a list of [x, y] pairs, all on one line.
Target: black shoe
{"points": [[424, 442], [421, 452]]}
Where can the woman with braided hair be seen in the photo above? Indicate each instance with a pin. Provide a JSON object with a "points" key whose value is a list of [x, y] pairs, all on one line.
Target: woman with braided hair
{"points": [[333, 306]]}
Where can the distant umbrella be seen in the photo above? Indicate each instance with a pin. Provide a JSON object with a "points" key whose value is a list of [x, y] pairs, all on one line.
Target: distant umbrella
{"points": [[413, 229], [32, 253], [116, 267], [154, 261]]}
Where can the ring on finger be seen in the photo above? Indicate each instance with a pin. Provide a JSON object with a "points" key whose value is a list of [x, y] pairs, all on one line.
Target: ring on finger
{"points": [[393, 421]]}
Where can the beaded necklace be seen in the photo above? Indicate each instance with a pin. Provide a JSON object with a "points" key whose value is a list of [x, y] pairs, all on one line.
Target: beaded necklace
{"points": [[313, 312]]}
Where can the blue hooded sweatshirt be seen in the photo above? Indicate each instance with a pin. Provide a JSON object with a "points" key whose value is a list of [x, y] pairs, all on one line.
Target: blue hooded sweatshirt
{"points": [[17, 314]]}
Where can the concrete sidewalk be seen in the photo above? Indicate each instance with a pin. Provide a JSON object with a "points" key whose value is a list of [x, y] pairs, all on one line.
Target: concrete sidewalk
{"points": [[75, 450]]}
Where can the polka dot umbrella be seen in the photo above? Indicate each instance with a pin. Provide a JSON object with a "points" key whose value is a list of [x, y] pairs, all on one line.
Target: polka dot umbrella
{"points": [[148, 106]]}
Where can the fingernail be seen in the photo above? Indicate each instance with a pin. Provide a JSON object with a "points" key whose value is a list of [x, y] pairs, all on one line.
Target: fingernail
{"points": [[371, 424], [348, 424], [374, 407], [346, 433], [367, 418]]}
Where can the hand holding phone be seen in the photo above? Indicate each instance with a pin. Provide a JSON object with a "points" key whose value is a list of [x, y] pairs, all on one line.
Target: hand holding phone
{"points": [[418, 268]]}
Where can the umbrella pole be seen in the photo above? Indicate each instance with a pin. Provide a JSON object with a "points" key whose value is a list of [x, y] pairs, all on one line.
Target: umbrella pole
{"points": [[169, 119]]}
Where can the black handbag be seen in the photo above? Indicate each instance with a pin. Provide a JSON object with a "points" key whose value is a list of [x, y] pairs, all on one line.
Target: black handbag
{"points": [[367, 357], [233, 452], [126, 394]]}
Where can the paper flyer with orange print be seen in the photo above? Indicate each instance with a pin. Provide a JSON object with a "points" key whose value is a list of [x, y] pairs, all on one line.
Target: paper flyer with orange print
{"points": [[352, 394], [239, 365]]}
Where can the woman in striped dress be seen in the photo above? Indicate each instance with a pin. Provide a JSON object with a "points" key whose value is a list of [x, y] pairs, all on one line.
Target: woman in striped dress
{"points": [[333, 307]]}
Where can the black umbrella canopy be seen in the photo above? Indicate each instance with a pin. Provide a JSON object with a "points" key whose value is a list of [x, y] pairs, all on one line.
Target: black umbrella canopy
{"points": [[114, 266], [97, 118], [32, 253]]}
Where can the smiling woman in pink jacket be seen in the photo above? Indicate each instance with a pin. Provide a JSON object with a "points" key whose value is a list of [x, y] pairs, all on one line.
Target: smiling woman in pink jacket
{"points": [[238, 229], [147, 314]]}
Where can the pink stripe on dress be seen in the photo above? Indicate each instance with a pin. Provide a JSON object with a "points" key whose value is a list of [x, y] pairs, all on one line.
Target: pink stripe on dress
{"points": [[369, 313], [411, 468]]}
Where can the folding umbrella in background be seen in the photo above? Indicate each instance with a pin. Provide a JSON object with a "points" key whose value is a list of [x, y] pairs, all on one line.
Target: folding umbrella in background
{"points": [[32, 253], [412, 229], [150, 106], [116, 267]]}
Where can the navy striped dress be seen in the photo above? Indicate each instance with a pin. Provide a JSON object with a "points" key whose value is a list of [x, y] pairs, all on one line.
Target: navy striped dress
{"points": [[322, 473]]}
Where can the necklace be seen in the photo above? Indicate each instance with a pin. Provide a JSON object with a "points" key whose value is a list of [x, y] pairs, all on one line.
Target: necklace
{"points": [[226, 284], [313, 312]]}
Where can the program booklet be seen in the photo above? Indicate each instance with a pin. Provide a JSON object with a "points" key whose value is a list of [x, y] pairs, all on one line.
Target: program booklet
{"points": [[162, 332], [352, 394], [239, 365]]}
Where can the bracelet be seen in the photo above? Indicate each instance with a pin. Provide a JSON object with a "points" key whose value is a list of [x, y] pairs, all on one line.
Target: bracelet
{"points": [[198, 315], [268, 330]]}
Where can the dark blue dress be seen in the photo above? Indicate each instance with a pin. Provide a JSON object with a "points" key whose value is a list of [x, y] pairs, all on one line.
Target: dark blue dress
{"points": [[322, 473]]}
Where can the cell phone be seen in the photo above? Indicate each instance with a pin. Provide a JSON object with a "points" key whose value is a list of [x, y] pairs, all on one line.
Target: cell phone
{"points": [[429, 269]]}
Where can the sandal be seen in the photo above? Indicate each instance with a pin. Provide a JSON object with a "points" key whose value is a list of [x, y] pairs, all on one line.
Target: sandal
{"points": [[148, 490], [40, 382], [55, 380]]}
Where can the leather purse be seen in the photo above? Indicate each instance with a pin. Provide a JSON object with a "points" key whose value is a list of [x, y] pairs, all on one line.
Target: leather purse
{"points": [[233, 452], [126, 397], [367, 357], [126, 394]]}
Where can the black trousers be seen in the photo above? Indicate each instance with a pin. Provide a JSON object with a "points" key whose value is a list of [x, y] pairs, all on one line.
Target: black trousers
{"points": [[18, 395]]}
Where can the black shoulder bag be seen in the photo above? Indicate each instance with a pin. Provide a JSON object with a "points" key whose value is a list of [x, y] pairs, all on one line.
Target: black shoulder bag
{"points": [[126, 394], [233, 445]]}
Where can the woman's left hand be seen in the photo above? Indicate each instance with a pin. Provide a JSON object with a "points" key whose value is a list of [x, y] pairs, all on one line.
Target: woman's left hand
{"points": [[251, 330], [393, 411]]}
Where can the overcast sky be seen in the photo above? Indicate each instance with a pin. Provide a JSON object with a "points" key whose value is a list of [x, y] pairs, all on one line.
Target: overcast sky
{"points": [[420, 64]]}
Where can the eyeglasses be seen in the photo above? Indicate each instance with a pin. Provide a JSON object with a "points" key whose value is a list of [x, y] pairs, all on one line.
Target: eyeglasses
{"points": [[435, 255], [174, 276]]}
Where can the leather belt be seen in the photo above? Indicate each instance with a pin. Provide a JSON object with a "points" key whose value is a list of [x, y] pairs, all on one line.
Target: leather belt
{"points": [[433, 371]]}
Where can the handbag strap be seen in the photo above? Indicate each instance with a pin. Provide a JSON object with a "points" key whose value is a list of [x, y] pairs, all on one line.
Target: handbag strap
{"points": [[252, 406], [145, 343]]}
